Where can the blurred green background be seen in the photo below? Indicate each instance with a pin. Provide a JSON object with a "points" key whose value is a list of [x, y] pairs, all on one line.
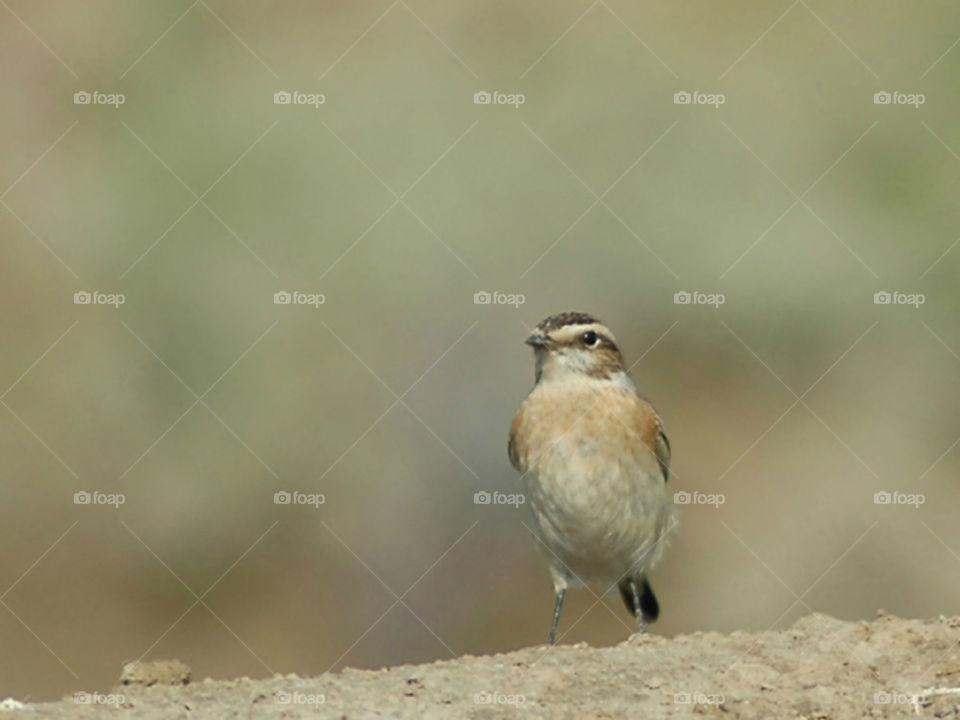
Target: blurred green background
{"points": [[398, 198]]}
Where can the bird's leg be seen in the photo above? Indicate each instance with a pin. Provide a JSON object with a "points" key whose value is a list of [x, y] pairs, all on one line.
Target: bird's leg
{"points": [[637, 612], [561, 592]]}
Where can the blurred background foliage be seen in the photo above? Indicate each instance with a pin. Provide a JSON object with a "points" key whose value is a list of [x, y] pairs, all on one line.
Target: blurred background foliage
{"points": [[398, 199]]}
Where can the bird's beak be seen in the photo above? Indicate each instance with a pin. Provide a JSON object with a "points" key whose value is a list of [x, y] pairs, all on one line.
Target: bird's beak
{"points": [[537, 340]]}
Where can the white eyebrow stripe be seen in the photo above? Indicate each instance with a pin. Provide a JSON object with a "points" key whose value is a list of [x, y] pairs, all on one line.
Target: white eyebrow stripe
{"points": [[569, 332]]}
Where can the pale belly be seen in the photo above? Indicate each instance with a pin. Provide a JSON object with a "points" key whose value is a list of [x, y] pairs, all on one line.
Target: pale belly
{"points": [[600, 520]]}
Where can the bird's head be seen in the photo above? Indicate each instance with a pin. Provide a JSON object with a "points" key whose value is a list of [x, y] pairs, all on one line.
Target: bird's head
{"points": [[574, 344]]}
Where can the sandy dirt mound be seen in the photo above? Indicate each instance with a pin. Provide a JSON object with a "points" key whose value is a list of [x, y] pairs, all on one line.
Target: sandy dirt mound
{"points": [[820, 668]]}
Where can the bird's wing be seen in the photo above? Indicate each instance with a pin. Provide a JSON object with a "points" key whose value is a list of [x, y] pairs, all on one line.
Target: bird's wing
{"points": [[650, 430], [662, 450], [513, 452]]}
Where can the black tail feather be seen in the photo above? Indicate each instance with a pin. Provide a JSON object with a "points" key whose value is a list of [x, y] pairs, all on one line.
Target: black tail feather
{"points": [[633, 587], [648, 603]]}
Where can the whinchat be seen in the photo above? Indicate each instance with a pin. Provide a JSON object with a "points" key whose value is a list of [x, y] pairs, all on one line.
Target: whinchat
{"points": [[595, 461]]}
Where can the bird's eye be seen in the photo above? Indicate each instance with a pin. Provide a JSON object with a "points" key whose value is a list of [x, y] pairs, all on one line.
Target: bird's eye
{"points": [[590, 338]]}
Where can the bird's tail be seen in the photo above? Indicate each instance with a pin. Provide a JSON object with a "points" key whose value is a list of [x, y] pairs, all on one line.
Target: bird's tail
{"points": [[636, 590]]}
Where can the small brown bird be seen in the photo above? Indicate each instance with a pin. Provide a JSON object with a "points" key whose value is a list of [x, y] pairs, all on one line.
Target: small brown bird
{"points": [[595, 460]]}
